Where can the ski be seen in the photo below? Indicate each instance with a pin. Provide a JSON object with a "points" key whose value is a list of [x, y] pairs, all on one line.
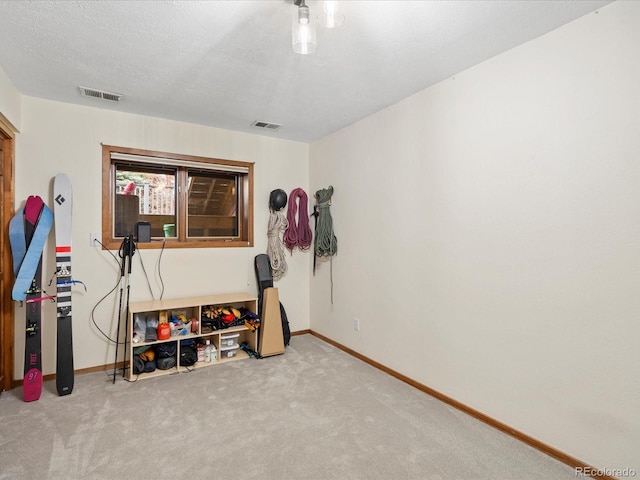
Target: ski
{"points": [[63, 198], [32, 380], [28, 232]]}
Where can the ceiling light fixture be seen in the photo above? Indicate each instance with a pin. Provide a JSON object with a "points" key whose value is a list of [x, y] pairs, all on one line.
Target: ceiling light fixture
{"points": [[330, 16], [303, 34]]}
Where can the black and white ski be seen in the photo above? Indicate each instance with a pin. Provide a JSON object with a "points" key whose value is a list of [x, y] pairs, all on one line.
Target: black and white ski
{"points": [[63, 198]]}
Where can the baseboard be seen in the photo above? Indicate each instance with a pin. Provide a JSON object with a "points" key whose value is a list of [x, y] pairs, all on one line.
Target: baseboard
{"points": [[576, 464]]}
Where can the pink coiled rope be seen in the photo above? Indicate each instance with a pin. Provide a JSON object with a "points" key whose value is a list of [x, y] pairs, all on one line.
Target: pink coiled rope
{"points": [[298, 233]]}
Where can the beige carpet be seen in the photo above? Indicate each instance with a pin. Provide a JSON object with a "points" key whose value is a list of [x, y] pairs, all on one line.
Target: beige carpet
{"points": [[313, 413]]}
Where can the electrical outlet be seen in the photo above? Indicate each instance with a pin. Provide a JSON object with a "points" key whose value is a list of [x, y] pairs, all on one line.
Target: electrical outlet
{"points": [[356, 324], [94, 240]]}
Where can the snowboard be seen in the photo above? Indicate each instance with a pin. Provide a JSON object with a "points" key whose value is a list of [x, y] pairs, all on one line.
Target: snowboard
{"points": [[32, 380], [63, 198]]}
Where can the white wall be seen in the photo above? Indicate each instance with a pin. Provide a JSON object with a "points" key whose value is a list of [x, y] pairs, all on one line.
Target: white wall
{"points": [[58, 137], [10, 101], [489, 237]]}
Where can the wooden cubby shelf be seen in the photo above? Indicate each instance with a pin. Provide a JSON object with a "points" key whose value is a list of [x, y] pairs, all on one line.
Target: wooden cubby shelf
{"points": [[192, 307]]}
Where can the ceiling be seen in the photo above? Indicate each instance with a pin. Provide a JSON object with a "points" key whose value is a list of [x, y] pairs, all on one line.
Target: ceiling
{"points": [[227, 64]]}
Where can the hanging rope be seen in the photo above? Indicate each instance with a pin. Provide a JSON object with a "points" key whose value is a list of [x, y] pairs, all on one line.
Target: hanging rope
{"points": [[298, 233], [325, 242], [275, 247]]}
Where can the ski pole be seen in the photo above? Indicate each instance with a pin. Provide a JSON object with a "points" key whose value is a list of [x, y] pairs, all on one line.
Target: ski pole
{"points": [[122, 272], [130, 250]]}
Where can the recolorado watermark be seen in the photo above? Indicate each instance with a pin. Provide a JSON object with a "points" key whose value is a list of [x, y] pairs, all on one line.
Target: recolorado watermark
{"points": [[605, 472]]}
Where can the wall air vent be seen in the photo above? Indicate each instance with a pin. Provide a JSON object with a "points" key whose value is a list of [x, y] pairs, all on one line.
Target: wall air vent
{"points": [[266, 125], [92, 92]]}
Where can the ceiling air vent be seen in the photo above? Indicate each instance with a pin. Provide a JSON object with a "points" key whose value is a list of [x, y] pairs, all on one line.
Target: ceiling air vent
{"points": [[266, 125], [92, 92]]}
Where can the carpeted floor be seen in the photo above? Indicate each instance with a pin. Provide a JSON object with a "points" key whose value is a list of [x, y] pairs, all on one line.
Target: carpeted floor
{"points": [[313, 413]]}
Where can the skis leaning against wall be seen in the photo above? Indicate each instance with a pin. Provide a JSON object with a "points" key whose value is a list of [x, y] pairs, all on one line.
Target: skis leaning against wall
{"points": [[28, 231], [63, 198]]}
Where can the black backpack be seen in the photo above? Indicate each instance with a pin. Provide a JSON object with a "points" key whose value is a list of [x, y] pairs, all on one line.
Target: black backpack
{"points": [[188, 353], [286, 332]]}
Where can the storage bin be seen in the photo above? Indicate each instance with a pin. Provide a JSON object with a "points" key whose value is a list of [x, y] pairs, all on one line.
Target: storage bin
{"points": [[229, 339], [229, 352], [180, 329]]}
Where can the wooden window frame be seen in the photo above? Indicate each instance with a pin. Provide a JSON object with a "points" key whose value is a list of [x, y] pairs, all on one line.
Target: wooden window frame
{"points": [[245, 201]]}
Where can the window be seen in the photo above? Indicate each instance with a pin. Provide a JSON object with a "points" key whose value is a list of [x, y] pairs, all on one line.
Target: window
{"points": [[188, 201]]}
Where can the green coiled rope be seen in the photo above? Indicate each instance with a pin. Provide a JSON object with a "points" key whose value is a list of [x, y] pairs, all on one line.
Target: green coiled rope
{"points": [[325, 243]]}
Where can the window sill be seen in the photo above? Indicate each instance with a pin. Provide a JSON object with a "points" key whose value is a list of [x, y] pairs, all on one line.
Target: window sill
{"points": [[157, 243]]}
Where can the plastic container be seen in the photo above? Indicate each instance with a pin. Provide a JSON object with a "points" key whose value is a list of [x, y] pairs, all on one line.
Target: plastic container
{"points": [[169, 229], [229, 339], [164, 331], [207, 351], [229, 351], [180, 329]]}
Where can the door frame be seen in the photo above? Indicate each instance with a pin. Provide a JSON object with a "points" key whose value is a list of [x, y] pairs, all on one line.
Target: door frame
{"points": [[7, 137]]}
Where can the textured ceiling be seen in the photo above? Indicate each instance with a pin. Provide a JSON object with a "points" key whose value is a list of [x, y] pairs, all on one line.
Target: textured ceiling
{"points": [[229, 63]]}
